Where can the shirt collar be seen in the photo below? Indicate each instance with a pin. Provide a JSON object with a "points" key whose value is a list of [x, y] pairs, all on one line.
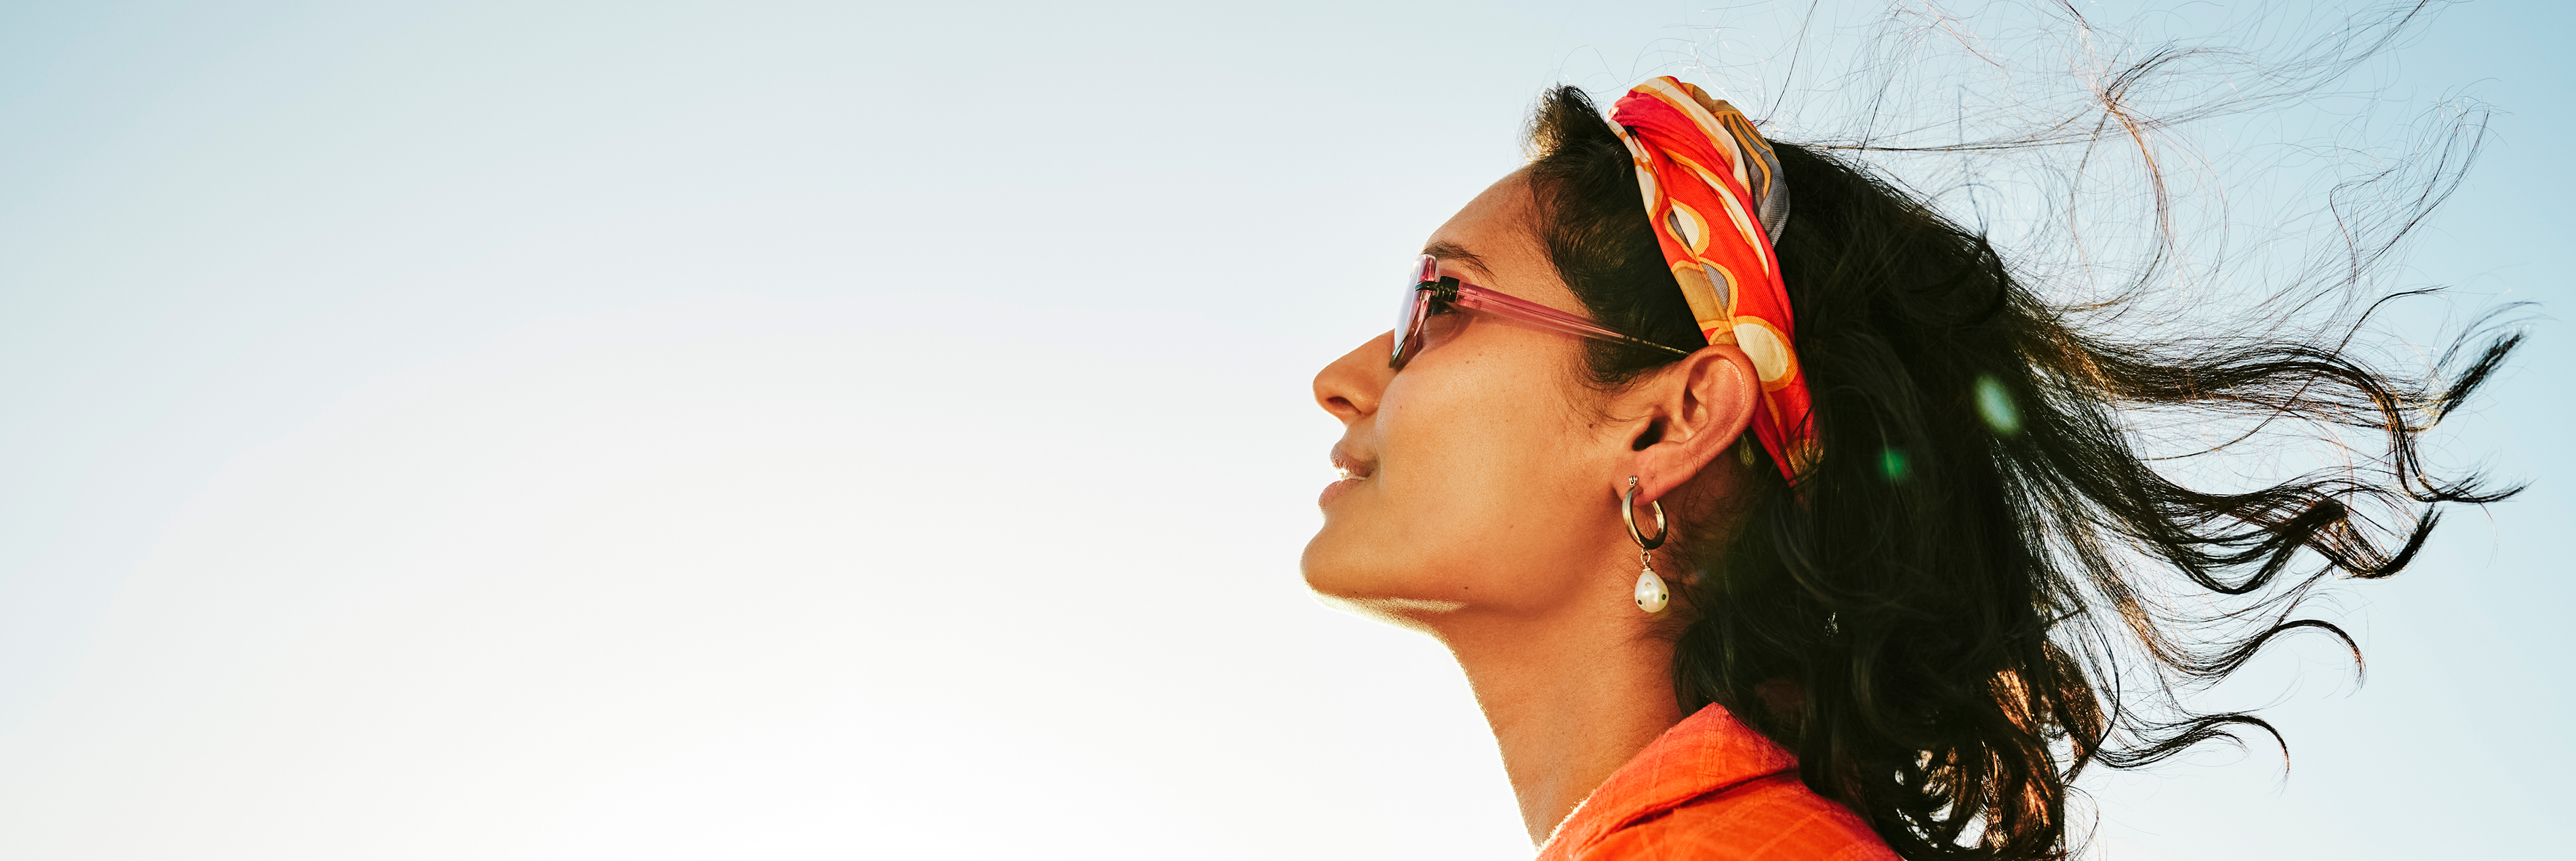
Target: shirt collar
{"points": [[1708, 752]]}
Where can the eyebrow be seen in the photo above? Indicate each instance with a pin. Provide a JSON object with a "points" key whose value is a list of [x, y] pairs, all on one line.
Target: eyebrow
{"points": [[1455, 253]]}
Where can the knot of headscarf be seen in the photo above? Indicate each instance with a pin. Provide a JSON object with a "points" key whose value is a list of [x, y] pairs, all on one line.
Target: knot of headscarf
{"points": [[1714, 195]]}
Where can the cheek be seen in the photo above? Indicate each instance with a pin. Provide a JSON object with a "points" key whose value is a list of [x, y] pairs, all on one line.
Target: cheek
{"points": [[1460, 456]]}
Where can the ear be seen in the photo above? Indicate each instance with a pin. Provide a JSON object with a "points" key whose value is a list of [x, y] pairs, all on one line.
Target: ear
{"points": [[1693, 411]]}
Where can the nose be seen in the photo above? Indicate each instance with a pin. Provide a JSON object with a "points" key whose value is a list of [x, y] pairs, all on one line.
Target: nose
{"points": [[1349, 388]]}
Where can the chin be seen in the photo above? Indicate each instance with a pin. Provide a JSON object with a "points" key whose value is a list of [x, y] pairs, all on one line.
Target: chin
{"points": [[1325, 571], [1345, 580]]}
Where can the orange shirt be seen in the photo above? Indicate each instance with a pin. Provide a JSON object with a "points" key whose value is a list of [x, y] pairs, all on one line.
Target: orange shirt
{"points": [[1711, 788]]}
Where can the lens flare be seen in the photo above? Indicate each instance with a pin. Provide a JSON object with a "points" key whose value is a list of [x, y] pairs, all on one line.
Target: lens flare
{"points": [[1995, 405]]}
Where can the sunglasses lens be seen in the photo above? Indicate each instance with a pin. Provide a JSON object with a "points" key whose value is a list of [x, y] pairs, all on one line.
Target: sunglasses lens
{"points": [[1408, 313]]}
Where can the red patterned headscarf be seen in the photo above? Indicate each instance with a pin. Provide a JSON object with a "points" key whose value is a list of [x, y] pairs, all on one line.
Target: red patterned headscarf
{"points": [[1714, 195]]}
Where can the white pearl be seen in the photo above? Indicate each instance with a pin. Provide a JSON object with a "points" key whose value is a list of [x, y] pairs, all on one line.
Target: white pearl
{"points": [[1651, 596]]}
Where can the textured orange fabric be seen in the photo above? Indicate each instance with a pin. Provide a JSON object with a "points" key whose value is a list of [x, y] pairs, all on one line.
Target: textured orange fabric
{"points": [[1711, 788]]}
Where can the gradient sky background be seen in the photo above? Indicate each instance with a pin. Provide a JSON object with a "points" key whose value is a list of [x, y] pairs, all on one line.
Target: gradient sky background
{"points": [[777, 430]]}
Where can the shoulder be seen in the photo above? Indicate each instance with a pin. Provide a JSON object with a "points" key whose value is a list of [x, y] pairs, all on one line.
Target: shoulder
{"points": [[1774, 818]]}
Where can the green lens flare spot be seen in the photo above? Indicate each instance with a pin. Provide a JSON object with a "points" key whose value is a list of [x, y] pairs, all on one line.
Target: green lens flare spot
{"points": [[1891, 463], [1995, 405]]}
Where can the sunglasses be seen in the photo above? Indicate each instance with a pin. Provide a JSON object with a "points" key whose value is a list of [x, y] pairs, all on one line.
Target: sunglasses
{"points": [[1428, 288]]}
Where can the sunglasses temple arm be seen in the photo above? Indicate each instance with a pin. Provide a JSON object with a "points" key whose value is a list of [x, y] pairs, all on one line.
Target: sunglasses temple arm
{"points": [[1472, 296]]}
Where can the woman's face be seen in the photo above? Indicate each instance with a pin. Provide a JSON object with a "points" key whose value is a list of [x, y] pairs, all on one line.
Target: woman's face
{"points": [[1484, 476]]}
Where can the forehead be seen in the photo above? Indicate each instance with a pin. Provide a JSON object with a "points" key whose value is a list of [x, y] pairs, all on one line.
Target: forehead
{"points": [[1494, 238]]}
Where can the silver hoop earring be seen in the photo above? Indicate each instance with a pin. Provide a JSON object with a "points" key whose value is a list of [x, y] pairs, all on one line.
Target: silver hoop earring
{"points": [[1651, 594]]}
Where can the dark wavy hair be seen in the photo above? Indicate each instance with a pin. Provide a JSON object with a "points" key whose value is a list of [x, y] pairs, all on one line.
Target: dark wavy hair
{"points": [[1934, 616]]}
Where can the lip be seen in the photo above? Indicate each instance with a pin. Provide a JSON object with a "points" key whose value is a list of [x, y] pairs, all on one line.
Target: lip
{"points": [[1355, 469], [1335, 490]]}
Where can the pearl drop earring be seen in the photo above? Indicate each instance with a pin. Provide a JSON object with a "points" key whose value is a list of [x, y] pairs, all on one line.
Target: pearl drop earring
{"points": [[1651, 594]]}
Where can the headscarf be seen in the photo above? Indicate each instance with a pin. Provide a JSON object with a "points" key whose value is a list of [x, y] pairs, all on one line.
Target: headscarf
{"points": [[1714, 195]]}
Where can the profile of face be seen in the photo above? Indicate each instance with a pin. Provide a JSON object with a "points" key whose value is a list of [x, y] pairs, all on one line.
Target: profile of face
{"points": [[1484, 477]]}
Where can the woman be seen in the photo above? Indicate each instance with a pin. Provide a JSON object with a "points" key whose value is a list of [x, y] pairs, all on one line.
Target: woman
{"points": [[1770, 516]]}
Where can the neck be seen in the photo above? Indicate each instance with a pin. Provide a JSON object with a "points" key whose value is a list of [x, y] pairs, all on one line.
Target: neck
{"points": [[1570, 698]]}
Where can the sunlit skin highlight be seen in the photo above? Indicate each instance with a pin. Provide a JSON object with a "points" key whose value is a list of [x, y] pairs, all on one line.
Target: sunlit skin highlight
{"points": [[1483, 508]]}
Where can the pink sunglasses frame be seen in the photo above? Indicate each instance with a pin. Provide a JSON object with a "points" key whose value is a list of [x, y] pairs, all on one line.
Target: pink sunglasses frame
{"points": [[1427, 279]]}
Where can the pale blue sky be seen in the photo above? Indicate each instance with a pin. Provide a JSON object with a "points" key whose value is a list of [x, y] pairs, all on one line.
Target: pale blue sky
{"points": [[780, 430]]}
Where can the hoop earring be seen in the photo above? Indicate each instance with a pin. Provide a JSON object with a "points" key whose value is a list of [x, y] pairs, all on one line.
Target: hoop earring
{"points": [[1651, 594]]}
